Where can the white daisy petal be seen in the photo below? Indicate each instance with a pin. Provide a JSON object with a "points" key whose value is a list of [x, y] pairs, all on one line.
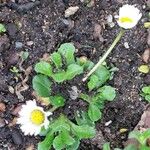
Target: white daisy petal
{"points": [[129, 16], [32, 118]]}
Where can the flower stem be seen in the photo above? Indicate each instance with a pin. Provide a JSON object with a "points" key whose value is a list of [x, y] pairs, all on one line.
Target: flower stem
{"points": [[105, 55]]}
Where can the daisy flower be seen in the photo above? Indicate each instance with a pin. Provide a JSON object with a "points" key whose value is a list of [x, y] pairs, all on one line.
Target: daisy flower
{"points": [[129, 16], [32, 118]]}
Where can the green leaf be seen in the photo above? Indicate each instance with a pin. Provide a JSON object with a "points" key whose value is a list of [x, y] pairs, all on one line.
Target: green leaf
{"points": [[43, 68], [131, 147], [74, 146], [85, 97], [88, 65], [59, 77], [82, 118], [143, 147], [60, 124], [147, 97], [106, 146], [41, 84], [57, 101], [146, 89], [68, 140], [58, 143], [67, 51], [62, 140], [24, 55], [83, 131], [56, 58], [93, 82], [94, 112], [103, 75], [2, 28], [73, 70], [107, 92], [47, 143], [140, 136], [44, 131]]}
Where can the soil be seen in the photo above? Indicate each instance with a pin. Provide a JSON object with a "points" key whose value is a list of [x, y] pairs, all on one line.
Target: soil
{"points": [[40, 27]]}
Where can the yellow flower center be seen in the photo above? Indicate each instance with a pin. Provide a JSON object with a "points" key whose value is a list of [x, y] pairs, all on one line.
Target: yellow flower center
{"points": [[37, 117], [126, 20]]}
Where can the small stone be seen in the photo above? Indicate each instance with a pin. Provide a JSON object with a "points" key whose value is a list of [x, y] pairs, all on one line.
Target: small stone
{"points": [[13, 123], [16, 137], [97, 34], [16, 110], [71, 11], [2, 107], [146, 55], [109, 18], [11, 89], [148, 37], [30, 43], [74, 93], [108, 123], [2, 123], [18, 45], [110, 21], [30, 147], [126, 45]]}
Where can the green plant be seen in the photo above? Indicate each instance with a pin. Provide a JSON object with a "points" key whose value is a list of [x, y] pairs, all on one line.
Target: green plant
{"points": [[62, 66], [97, 101], [146, 93], [141, 137], [2, 28], [64, 134]]}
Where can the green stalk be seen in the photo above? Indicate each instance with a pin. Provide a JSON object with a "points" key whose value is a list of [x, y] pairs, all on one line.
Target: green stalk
{"points": [[105, 55]]}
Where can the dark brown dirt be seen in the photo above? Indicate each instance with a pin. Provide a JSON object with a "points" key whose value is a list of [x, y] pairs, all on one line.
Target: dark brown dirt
{"points": [[45, 25]]}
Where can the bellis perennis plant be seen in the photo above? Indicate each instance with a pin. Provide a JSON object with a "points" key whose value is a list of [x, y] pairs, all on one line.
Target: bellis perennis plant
{"points": [[32, 118], [129, 16], [59, 68]]}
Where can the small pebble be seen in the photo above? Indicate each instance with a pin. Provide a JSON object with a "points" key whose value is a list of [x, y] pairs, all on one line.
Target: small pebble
{"points": [[2, 123], [108, 123], [16, 110], [18, 45], [30, 43], [109, 18], [146, 55], [110, 21], [126, 45], [11, 89], [71, 11], [2, 107]]}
